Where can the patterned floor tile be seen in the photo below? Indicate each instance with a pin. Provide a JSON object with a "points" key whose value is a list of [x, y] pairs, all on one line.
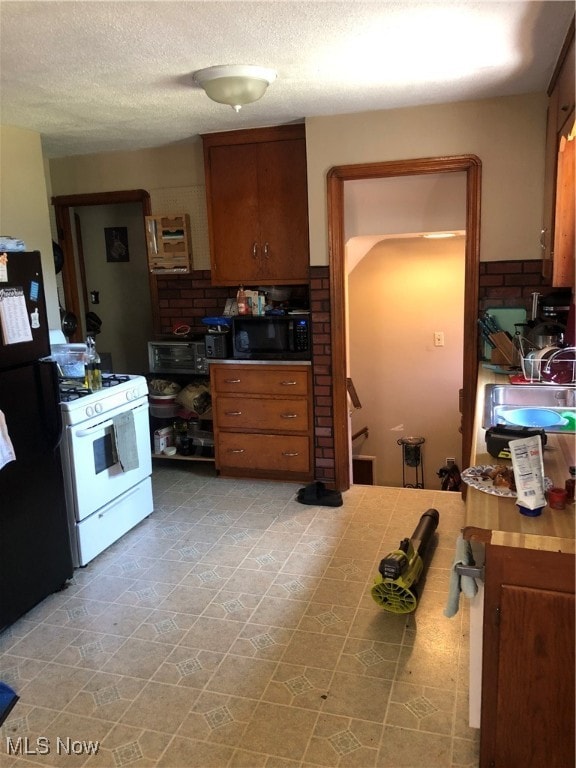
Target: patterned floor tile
{"points": [[235, 628]]}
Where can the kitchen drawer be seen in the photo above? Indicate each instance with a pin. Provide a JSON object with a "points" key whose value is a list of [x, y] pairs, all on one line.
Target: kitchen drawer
{"points": [[280, 415], [268, 453], [260, 380]]}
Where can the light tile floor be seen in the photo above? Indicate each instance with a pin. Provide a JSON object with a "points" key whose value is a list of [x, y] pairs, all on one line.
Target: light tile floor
{"points": [[234, 628]]}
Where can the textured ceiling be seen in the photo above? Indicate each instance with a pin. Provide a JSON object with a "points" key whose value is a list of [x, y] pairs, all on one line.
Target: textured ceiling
{"points": [[102, 76]]}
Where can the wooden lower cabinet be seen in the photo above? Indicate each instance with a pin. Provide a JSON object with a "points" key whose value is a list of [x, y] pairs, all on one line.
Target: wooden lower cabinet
{"points": [[263, 420], [527, 715]]}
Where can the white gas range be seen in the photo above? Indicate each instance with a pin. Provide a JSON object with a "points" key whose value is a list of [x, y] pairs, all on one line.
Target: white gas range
{"points": [[106, 460]]}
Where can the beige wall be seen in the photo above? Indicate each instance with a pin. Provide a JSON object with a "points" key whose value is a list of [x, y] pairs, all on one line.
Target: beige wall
{"points": [[399, 294], [507, 134], [24, 203], [177, 165]]}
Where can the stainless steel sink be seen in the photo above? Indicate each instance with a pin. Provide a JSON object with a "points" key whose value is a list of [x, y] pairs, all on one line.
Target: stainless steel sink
{"points": [[503, 399]]}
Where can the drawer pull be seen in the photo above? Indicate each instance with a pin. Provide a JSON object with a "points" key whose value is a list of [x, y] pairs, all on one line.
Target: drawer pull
{"points": [[288, 453], [266, 251], [233, 413], [254, 250], [231, 381], [236, 450], [289, 415], [288, 383]]}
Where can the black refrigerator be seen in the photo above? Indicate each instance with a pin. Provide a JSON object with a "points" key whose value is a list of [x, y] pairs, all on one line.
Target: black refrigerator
{"points": [[35, 558]]}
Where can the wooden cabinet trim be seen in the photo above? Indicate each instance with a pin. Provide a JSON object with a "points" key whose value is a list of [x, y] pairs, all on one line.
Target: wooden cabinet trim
{"points": [[254, 135]]}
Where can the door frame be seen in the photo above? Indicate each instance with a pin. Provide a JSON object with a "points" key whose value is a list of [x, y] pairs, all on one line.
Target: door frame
{"points": [[336, 178], [62, 205]]}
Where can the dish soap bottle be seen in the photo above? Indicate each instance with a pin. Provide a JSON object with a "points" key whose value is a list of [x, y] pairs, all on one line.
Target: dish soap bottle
{"points": [[93, 367]]}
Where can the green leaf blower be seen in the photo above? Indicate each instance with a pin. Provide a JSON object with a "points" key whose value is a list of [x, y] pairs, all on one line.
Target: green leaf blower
{"points": [[394, 589]]}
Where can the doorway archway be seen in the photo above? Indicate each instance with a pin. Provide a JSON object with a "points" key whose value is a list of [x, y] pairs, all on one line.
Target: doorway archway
{"points": [[336, 179], [70, 282]]}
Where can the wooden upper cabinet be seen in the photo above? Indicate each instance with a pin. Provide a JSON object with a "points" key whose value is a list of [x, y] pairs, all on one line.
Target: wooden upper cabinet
{"points": [[257, 196], [561, 115]]}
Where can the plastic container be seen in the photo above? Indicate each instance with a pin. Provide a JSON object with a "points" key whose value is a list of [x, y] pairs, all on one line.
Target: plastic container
{"points": [[164, 410], [71, 359], [201, 443]]}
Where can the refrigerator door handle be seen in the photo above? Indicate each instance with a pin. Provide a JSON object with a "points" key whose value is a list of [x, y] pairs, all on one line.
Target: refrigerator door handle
{"points": [[49, 390]]}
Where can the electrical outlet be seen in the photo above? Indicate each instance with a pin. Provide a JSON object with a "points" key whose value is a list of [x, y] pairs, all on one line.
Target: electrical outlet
{"points": [[450, 462], [438, 338]]}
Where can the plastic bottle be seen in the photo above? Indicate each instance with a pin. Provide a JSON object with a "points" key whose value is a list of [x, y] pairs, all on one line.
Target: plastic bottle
{"points": [[241, 301], [570, 484], [92, 367]]}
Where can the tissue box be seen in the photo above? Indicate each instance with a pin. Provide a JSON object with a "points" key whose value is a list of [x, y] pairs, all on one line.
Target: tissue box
{"points": [[163, 438]]}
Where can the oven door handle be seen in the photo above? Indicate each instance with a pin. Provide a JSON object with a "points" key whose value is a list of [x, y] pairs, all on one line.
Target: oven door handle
{"points": [[104, 424], [90, 430]]}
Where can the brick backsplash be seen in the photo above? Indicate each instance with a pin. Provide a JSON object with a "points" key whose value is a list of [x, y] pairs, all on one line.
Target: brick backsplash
{"points": [[187, 299], [322, 374], [510, 283]]}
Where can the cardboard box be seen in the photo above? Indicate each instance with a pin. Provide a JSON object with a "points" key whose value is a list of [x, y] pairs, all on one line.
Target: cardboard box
{"points": [[163, 438]]}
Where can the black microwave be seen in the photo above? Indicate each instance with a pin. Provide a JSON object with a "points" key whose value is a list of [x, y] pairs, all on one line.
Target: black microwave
{"points": [[271, 337]]}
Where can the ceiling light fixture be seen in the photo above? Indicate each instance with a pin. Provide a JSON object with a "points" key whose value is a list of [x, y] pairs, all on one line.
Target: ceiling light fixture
{"points": [[438, 235], [235, 84]]}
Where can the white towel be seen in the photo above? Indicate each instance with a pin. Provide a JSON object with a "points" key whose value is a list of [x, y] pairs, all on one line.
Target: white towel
{"points": [[125, 439], [6, 448], [460, 584]]}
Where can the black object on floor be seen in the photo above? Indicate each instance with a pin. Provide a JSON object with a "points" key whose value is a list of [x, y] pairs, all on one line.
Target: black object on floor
{"points": [[316, 494], [7, 701]]}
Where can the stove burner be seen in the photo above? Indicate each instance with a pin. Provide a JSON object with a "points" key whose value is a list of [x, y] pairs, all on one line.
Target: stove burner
{"points": [[73, 390], [112, 379]]}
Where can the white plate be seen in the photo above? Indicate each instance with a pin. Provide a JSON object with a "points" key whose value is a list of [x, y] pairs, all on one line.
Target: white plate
{"points": [[473, 477]]}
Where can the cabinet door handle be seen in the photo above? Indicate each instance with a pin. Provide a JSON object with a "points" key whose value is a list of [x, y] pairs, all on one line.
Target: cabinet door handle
{"points": [[236, 450], [231, 381], [289, 415], [288, 453], [254, 250], [233, 413], [288, 383], [543, 239], [266, 251]]}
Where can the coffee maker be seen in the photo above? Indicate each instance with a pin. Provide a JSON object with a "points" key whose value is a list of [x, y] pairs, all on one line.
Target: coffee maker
{"points": [[549, 318]]}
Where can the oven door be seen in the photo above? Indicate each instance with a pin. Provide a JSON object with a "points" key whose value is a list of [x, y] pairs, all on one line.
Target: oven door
{"points": [[95, 473]]}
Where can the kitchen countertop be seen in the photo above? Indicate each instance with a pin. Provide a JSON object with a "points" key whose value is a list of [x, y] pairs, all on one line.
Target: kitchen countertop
{"points": [[496, 519]]}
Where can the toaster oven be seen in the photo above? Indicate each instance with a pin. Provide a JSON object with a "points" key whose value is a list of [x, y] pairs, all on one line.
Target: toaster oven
{"points": [[177, 357]]}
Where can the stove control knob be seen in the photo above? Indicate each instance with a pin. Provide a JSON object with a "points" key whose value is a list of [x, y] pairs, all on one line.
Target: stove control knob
{"points": [[89, 411], [131, 394], [98, 407]]}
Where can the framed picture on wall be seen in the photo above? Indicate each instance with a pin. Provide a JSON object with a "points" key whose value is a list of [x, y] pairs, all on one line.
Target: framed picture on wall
{"points": [[116, 243]]}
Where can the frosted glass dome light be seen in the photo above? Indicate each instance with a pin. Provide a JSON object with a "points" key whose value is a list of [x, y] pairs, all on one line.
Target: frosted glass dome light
{"points": [[235, 84]]}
